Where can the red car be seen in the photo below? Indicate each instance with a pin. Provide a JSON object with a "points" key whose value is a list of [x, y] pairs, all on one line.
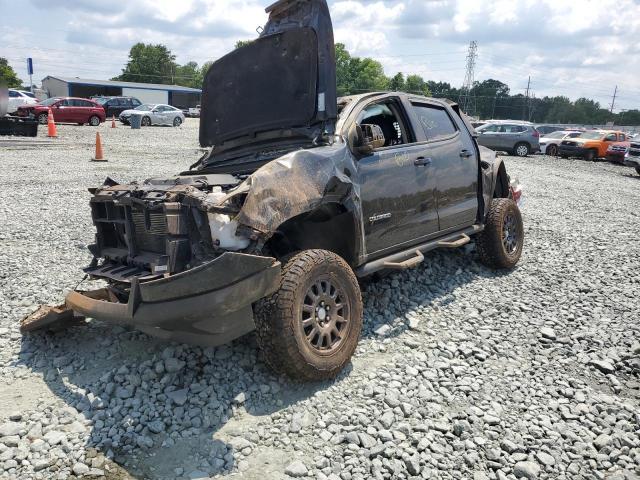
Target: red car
{"points": [[66, 110]]}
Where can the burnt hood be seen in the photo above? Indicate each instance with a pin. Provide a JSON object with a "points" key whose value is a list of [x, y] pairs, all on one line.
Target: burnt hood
{"points": [[281, 85]]}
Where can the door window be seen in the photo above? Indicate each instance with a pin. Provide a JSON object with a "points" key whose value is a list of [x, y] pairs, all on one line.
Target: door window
{"points": [[385, 116], [13, 94], [135, 102], [611, 138], [435, 121], [488, 129]]}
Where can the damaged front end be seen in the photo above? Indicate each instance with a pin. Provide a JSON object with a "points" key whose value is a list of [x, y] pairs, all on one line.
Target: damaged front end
{"points": [[174, 262]]}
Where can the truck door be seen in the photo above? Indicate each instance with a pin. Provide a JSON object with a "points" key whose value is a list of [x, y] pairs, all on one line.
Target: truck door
{"points": [[397, 186], [454, 163]]}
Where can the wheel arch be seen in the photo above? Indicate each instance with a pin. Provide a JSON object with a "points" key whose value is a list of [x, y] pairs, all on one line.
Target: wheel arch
{"points": [[331, 226]]}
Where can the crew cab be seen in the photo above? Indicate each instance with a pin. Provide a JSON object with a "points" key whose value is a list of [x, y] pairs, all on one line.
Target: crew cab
{"points": [[299, 194], [590, 145]]}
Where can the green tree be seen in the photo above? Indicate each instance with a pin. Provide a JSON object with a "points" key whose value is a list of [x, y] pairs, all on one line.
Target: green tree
{"points": [[189, 75], [416, 84], [243, 43], [397, 83], [150, 64], [8, 76], [358, 75]]}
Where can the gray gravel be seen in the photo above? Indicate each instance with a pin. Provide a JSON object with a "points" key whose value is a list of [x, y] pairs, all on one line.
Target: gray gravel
{"points": [[461, 373]]}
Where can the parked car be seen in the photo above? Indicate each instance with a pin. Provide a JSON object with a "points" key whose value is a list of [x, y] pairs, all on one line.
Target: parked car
{"points": [[590, 145], [513, 137], [549, 142], [66, 110], [632, 158], [19, 98], [194, 112], [114, 106], [547, 129], [616, 152], [270, 229], [154, 114]]}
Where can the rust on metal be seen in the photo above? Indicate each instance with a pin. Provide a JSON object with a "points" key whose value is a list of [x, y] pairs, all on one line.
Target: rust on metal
{"points": [[49, 317]]}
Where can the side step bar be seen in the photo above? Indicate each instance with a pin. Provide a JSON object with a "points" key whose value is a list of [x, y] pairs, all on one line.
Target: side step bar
{"points": [[415, 255]]}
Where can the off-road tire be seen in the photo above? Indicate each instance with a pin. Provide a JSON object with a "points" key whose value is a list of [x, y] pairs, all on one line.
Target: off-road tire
{"points": [[279, 318], [522, 149], [591, 155], [490, 242]]}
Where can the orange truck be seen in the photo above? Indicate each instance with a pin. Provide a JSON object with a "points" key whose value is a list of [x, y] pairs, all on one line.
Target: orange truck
{"points": [[591, 144]]}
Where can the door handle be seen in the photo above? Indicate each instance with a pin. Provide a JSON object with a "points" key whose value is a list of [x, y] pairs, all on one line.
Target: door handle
{"points": [[466, 154], [422, 162]]}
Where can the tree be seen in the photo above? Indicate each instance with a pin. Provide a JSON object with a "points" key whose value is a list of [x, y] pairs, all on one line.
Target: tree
{"points": [[243, 43], [416, 84], [8, 75], [358, 75], [189, 75], [150, 64], [397, 83]]}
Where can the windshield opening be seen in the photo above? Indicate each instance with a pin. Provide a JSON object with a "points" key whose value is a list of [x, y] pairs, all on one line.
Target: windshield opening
{"points": [[50, 101], [145, 106], [592, 135], [101, 100]]}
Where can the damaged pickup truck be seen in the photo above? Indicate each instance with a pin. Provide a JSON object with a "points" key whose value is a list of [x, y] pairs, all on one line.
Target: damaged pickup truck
{"points": [[300, 194]]}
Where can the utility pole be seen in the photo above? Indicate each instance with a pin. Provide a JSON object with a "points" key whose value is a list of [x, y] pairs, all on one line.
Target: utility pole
{"points": [[467, 101], [613, 102], [526, 104]]}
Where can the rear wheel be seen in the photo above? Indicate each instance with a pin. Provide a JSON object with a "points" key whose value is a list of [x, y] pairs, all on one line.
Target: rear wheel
{"points": [[590, 155], [521, 149], [94, 121], [310, 327], [43, 118], [552, 150], [500, 244], [146, 122]]}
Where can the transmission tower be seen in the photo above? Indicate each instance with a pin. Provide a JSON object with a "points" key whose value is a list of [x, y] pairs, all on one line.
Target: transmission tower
{"points": [[467, 99]]}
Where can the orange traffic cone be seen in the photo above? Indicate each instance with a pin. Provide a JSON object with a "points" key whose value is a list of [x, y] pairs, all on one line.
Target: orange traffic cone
{"points": [[99, 157], [113, 121], [51, 125]]}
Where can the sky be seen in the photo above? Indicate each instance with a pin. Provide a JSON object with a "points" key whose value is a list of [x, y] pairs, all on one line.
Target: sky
{"points": [[574, 48]]}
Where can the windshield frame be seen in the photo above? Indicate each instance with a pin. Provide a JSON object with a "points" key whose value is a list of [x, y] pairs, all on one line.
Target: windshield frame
{"points": [[50, 101], [146, 107], [592, 135]]}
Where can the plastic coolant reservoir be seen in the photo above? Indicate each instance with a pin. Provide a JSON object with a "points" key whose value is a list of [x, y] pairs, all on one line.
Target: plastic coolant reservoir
{"points": [[223, 231]]}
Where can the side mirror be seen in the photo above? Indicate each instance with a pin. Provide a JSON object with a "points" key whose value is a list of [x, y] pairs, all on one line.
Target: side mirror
{"points": [[364, 139]]}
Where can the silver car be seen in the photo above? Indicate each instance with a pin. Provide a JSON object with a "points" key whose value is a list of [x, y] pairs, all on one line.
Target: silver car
{"points": [[155, 114], [516, 138]]}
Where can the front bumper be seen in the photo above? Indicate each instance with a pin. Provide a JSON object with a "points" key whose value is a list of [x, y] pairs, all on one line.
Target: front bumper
{"points": [[617, 157], [208, 305], [570, 151]]}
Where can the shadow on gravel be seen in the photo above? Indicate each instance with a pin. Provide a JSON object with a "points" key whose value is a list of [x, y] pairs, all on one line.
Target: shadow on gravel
{"points": [[156, 407]]}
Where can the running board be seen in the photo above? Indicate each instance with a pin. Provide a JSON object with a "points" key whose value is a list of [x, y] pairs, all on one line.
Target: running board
{"points": [[407, 264], [415, 255], [461, 242]]}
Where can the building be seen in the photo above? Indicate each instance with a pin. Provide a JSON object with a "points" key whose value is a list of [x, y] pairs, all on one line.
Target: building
{"points": [[180, 97]]}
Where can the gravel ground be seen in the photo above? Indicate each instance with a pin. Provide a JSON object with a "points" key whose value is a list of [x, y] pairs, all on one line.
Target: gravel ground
{"points": [[461, 373]]}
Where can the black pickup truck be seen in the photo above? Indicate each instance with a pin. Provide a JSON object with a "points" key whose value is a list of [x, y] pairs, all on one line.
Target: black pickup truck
{"points": [[300, 194]]}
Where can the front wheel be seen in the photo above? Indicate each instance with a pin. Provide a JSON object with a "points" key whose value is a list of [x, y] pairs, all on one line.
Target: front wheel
{"points": [[177, 122], [521, 150], [94, 121], [500, 244], [590, 155], [310, 327]]}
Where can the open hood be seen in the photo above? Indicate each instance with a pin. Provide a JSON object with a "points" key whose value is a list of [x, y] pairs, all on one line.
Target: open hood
{"points": [[282, 85]]}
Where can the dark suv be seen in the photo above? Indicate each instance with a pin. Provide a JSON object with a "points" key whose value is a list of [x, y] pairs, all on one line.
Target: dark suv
{"points": [[270, 230], [114, 106]]}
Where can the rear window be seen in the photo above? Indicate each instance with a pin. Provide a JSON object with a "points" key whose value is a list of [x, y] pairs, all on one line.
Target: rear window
{"points": [[435, 121]]}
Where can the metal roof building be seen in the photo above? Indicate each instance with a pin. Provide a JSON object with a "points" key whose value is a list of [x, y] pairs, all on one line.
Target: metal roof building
{"points": [[180, 97]]}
